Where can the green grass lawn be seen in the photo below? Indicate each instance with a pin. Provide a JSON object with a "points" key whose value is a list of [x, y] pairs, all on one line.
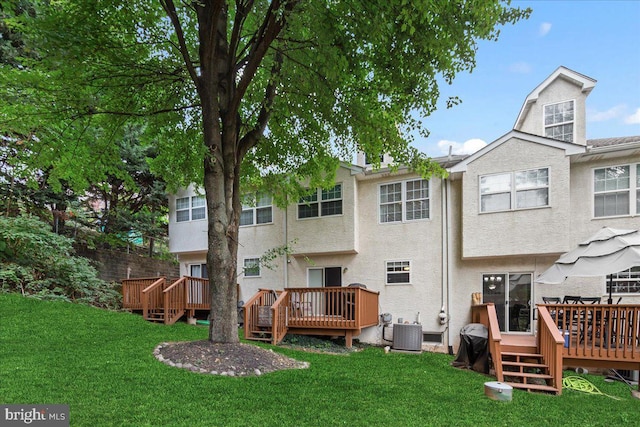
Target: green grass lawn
{"points": [[101, 364]]}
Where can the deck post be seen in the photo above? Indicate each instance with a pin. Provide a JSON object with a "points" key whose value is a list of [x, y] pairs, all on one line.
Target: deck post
{"points": [[348, 338]]}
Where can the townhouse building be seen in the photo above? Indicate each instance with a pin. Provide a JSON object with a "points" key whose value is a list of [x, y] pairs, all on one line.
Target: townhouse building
{"points": [[501, 217]]}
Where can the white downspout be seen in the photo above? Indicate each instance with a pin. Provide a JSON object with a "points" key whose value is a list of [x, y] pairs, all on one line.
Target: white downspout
{"points": [[449, 261], [286, 257]]}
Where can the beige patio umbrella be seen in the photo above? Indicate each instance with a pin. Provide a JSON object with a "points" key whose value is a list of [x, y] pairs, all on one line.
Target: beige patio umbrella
{"points": [[608, 251]]}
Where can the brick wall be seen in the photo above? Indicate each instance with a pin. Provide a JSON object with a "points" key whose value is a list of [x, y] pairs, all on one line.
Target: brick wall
{"points": [[113, 266]]}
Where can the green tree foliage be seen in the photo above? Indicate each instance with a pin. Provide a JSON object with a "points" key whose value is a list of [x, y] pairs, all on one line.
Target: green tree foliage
{"points": [[38, 262], [133, 198], [267, 93]]}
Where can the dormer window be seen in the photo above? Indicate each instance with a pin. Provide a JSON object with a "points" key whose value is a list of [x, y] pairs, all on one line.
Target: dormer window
{"points": [[558, 121]]}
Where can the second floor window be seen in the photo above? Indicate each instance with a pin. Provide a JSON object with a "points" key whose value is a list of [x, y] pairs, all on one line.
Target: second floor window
{"points": [[514, 190], [257, 210], [616, 191], [190, 208], [558, 121], [404, 201], [321, 203]]}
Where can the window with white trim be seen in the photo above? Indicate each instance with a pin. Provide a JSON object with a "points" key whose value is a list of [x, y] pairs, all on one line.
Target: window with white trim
{"points": [[626, 282], [404, 201], [616, 191], [251, 267], [190, 208], [198, 270], [257, 209], [514, 190], [398, 272], [558, 121], [321, 203]]}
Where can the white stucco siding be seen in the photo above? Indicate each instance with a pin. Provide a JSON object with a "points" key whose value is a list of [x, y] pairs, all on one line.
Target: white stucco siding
{"points": [[186, 236], [255, 241], [559, 90], [512, 232], [327, 234], [419, 242], [584, 223]]}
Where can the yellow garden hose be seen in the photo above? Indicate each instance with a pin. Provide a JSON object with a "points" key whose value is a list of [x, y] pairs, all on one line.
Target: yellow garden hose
{"points": [[581, 384]]}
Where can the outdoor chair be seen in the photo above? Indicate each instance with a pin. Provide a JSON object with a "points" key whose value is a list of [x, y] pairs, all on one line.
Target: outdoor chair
{"points": [[553, 312], [571, 299], [300, 307], [593, 318]]}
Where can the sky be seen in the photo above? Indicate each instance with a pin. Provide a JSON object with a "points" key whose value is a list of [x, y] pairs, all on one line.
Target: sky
{"points": [[599, 39]]}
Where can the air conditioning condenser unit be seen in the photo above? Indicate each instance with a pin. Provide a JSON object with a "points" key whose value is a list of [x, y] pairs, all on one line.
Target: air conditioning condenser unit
{"points": [[407, 337]]}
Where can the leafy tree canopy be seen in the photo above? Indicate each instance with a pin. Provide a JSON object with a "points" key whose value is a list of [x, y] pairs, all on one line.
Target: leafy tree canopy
{"points": [[259, 92], [339, 76]]}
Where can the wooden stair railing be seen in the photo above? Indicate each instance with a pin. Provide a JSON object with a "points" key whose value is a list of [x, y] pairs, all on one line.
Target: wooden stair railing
{"points": [[279, 317], [132, 291], [550, 343], [175, 301], [152, 301], [486, 314], [258, 316]]}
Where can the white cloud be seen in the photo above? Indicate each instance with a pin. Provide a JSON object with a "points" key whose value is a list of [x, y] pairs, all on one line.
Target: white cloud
{"points": [[544, 29], [603, 116], [634, 118], [470, 146], [520, 67]]}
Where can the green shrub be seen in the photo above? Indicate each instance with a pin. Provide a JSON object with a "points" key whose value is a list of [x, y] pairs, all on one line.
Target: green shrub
{"points": [[34, 261]]}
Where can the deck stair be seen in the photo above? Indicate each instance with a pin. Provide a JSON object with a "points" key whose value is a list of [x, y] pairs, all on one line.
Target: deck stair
{"points": [[156, 315], [526, 371]]}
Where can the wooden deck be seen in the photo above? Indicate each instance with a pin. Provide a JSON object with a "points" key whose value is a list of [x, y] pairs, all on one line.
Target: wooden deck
{"points": [[268, 316], [339, 311], [597, 336], [166, 301]]}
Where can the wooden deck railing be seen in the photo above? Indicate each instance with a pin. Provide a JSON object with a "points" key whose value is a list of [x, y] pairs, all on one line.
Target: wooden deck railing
{"points": [[132, 291], [257, 311], [486, 314], [550, 342], [338, 308], [279, 312], [175, 301], [599, 332], [198, 293], [318, 310], [160, 301], [152, 299]]}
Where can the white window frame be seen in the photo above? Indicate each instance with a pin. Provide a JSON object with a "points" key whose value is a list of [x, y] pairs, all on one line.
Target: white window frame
{"points": [[514, 190], [399, 267], [403, 202], [200, 265], [629, 279], [246, 265], [256, 207], [319, 198], [561, 123], [632, 191], [193, 204]]}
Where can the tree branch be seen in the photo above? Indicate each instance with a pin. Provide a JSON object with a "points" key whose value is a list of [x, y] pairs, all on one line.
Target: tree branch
{"points": [[271, 27], [251, 138], [170, 8]]}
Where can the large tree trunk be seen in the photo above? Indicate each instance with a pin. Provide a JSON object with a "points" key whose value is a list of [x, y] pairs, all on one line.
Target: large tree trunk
{"points": [[222, 259], [221, 172]]}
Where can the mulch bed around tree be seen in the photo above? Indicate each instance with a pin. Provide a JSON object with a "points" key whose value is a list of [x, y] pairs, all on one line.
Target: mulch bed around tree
{"points": [[235, 359]]}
